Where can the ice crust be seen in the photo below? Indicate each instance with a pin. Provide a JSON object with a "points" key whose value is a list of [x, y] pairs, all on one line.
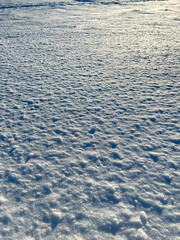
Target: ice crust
{"points": [[89, 120]]}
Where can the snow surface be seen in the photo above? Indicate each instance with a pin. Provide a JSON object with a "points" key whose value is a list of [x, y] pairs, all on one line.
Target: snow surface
{"points": [[89, 120]]}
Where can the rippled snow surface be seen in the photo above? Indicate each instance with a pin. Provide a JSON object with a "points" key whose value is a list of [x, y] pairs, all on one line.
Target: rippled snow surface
{"points": [[89, 120]]}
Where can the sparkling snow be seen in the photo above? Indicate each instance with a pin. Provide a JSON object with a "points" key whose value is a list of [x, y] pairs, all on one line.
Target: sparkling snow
{"points": [[89, 120]]}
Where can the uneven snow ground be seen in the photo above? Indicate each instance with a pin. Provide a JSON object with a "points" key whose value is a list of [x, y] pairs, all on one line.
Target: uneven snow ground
{"points": [[89, 120]]}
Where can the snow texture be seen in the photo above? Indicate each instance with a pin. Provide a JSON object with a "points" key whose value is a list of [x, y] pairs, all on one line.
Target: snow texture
{"points": [[89, 120]]}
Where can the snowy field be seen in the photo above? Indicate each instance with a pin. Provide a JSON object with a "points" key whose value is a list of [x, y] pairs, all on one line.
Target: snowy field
{"points": [[89, 120]]}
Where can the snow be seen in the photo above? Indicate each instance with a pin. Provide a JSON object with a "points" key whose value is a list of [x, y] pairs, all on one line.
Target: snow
{"points": [[89, 120]]}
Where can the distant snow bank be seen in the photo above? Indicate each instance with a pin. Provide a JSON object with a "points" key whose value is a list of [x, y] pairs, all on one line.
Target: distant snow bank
{"points": [[54, 3]]}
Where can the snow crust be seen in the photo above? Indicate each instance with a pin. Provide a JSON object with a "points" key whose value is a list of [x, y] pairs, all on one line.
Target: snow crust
{"points": [[89, 120]]}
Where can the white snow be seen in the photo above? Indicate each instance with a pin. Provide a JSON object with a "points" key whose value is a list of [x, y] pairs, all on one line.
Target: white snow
{"points": [[89, 120]]}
